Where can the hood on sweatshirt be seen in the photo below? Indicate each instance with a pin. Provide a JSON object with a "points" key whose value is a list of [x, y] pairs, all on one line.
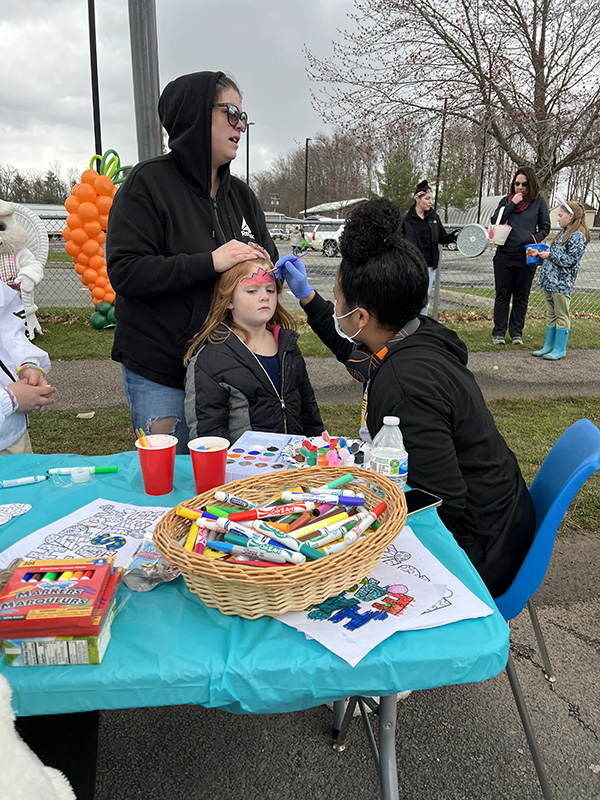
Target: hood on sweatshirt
{"points": [[436, 336], [185, 110]]}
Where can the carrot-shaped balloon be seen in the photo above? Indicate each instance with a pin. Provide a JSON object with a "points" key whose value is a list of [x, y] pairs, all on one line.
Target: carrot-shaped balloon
{"points": [[88, 206]]}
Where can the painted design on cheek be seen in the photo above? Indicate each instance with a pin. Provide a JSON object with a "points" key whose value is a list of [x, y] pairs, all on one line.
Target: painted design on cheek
{"points": [[260, 276]]}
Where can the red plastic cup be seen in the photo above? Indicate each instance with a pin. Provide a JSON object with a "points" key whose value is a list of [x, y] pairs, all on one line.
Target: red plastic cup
{"points": [[157, 463], [208, 463]]}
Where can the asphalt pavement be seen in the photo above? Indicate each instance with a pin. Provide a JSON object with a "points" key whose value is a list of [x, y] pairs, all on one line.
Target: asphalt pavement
{"points": [[507, 372], [454, 743]]}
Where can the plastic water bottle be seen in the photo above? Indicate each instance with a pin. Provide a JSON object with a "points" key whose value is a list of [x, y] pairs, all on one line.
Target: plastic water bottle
{"points": [[388, 454]]}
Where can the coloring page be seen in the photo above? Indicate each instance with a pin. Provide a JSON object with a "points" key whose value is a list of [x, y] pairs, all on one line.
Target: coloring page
{"points": [[101, 528], [407, 586], [409, 556]]}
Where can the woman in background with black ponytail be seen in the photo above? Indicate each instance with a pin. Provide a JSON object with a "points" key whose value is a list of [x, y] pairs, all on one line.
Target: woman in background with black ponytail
{"points": [[423, 227], [414, 368]]}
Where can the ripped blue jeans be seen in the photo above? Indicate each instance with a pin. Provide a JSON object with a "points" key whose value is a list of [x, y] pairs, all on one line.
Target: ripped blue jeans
{"points": [[150, 403]]}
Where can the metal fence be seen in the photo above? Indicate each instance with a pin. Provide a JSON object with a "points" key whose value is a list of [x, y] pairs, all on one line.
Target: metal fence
{"points": [[465, 283]]}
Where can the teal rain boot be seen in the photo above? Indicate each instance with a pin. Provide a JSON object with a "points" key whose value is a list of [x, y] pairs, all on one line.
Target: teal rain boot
{"points": [[548, 344], [560, 345]]}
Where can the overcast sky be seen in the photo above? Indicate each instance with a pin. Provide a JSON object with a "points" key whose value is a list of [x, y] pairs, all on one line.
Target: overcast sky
{"points": [[45, 92]]}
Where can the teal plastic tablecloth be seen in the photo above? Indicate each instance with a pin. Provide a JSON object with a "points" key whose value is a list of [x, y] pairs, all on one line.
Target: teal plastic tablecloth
{"points": [[168, 648]]}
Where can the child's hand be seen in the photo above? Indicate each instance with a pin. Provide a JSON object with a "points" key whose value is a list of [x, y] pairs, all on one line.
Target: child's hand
{"points": [[291, 269], [34, 377], [542, 253], [31, 398]]}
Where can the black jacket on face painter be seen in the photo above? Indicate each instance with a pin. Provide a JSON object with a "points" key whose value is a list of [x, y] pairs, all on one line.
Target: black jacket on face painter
{"points": [[454, 448], [163, 227]]}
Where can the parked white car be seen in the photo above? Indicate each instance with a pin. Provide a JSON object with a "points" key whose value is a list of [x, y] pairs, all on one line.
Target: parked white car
{"points": [[326, 237]]}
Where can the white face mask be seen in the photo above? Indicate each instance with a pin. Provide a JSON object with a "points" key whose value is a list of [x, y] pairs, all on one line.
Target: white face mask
{"points": [[338, 329]]}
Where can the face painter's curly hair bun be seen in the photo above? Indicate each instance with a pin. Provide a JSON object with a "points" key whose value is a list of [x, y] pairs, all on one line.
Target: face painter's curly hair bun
{"points": [[423, 186], [380, 269], [371, 228]]}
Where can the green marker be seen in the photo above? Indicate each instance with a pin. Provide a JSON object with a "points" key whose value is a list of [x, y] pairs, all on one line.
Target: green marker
{"points": [[287, 539], [91, 470], [336, 483]]}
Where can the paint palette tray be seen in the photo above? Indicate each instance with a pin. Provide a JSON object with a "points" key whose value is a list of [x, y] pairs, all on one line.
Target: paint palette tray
{"points": [[256, 453], [326, 451]]}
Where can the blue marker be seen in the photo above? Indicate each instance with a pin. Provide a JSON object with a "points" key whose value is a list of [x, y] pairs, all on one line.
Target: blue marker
{"points": [[22, 481]]}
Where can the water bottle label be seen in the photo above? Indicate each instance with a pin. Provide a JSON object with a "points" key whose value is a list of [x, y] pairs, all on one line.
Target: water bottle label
{"points": [[393, 468]]}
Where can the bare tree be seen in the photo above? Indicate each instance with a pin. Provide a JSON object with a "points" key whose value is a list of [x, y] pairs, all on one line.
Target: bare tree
{"points": [[526, 72], [340, 167]]}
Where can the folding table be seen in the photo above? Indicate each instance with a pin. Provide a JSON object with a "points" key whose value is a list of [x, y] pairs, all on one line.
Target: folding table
{"points": [[168, 648]]}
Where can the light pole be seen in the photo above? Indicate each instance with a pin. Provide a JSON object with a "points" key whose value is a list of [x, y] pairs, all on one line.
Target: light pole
{"points": [[306, 177], [248, 152]]}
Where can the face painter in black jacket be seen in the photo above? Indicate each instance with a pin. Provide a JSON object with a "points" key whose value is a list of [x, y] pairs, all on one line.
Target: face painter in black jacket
{"points": [[414, 368], [177, 222]]}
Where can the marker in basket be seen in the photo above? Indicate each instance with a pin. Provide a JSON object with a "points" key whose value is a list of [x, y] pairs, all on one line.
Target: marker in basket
{"points": [[337, 531], [190, 542], [336, 499], [193, 513], [264, 551], [344, 479], [364, 524], [286, 538], [225, 497], [276, 511], [236, 550], [315, 526], [224, 525], [201, 540]]}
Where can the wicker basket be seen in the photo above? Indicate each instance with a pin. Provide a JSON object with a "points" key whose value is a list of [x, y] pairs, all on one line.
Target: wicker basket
{"points": [[253, 592]]}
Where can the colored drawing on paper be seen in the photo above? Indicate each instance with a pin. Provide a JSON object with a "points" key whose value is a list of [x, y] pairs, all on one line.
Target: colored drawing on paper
{"points": [[355, 621], [101, 528], [375, 602]]}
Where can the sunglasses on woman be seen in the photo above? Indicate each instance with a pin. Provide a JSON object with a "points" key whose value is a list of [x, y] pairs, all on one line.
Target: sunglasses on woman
{"points": [[234, 115], [518, 183]]}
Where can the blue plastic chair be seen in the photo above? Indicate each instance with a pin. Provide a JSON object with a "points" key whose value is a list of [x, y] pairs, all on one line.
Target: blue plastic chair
{"points": [[570, 462]]}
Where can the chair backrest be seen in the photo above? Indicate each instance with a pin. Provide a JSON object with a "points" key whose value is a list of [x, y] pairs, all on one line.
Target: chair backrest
{"points": [[570, 462]]}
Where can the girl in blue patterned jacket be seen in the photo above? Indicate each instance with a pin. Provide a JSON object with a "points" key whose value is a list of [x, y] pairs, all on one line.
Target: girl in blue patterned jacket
{"points": [[557, 277]]}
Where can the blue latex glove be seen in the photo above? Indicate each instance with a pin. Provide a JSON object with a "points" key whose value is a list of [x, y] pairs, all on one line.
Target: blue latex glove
{"points": [[291, 269]]}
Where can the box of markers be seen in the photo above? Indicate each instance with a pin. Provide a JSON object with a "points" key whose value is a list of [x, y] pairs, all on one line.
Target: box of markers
{"points": [[58, 651], [51, 645], [42, 596]]}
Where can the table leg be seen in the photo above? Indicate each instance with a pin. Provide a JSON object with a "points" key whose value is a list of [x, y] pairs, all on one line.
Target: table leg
{"points": [[388, 772]]}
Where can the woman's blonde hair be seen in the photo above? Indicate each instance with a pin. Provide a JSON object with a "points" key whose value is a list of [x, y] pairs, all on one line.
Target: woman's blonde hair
{"points": [[578, 223], [220, 312]]}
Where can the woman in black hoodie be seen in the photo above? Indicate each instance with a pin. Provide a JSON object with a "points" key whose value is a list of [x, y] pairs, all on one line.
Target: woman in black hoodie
{"points": [[414, 368], [178, 221], [423, 227]]}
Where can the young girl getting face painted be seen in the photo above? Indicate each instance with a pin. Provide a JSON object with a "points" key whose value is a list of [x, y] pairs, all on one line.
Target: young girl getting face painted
{"points": [[245, 371]]}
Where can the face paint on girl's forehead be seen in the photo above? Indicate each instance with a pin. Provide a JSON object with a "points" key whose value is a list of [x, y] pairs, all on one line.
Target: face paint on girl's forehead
{"points": [[260, 276]]}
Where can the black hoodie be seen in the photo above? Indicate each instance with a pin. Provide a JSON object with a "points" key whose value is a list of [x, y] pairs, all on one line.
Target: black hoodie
{"points": [[454, 447], [163, 227]]}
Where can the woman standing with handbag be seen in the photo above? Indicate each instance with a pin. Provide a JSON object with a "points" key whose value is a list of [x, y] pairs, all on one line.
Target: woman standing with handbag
{"points": [[526, 212]]}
